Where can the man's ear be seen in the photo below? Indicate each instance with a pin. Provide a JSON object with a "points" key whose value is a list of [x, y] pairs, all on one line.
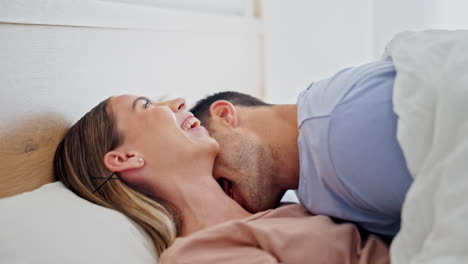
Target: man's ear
{"points": [[224, 111], [119, 160]]}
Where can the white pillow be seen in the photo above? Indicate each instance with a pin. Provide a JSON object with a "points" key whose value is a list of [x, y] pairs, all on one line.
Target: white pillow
{"points": [[290, 196], [53, 225]]}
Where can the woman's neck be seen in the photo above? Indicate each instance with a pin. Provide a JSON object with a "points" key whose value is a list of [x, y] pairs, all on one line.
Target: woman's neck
{"points": [[207, 207], [199, 199]]}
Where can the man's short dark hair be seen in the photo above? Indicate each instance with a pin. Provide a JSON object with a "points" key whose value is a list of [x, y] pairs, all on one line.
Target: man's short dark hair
{"points": [[202, 107]]}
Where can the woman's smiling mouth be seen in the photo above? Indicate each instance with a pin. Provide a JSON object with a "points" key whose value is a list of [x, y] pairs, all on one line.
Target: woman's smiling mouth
{"points": [[190, 122]]}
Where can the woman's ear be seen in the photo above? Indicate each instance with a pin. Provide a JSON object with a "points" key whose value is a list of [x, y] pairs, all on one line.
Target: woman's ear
{"points": [[119, 160], [225, 112]]}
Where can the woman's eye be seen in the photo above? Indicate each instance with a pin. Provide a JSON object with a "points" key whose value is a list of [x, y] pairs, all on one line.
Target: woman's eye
{"points": [[146, 104]]}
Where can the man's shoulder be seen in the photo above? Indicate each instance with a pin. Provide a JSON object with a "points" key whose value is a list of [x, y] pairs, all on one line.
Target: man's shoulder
{"points": [[321, 97]]}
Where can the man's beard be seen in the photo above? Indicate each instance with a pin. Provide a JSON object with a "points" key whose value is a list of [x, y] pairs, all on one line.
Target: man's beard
{"points": [[256, 167]]}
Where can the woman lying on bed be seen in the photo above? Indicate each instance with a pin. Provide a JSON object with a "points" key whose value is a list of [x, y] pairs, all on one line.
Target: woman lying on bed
{"points": [[153, 162]]}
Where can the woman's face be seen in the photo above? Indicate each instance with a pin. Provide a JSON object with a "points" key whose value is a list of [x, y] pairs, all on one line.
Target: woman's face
{"points": [[162, 135]]}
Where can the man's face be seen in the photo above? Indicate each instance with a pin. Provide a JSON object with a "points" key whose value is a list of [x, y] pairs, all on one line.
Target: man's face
{"points": [[246, 168]]}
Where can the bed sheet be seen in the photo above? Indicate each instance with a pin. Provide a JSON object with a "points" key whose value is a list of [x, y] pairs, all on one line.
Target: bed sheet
{"points": [[431, 101]]}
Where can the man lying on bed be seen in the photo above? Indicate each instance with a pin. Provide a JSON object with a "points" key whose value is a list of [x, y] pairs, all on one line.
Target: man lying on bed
{"points": [[337, 146], [153, 162]]}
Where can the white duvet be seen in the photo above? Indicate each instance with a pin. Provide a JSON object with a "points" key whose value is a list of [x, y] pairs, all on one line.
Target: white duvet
{"points": [[431, 100]]}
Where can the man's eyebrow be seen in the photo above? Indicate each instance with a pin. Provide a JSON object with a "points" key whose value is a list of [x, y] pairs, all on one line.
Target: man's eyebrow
{"points": [[138, 99]]}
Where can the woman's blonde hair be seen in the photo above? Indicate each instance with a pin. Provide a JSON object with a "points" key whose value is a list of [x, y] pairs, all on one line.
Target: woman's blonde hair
{"points": [[78, 163]]}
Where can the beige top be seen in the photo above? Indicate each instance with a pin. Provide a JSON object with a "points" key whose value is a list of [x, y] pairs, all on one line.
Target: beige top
{"points": [[288, 234]]}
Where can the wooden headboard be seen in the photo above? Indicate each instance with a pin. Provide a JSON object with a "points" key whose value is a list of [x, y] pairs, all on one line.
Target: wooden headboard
{"points": [[58, 61], [26, 153]]}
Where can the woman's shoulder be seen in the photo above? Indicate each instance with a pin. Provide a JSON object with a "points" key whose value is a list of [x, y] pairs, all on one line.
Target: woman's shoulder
{"points": [[292, 210], [238, 237], [288, 233], [242, 237]]}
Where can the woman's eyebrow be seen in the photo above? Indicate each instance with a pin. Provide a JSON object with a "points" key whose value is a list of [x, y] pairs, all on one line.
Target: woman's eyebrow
{"points": [[138, 99]]}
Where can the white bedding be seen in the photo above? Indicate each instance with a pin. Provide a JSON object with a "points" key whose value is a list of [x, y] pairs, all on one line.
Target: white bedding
{"points": [[431, 100]]}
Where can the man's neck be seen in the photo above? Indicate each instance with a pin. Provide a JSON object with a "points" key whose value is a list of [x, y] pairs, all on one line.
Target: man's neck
{"points": [[277, 126], [285, 123]]}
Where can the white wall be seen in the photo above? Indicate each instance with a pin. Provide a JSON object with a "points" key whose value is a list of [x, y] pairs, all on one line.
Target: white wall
{"points": [[306, 40], [391, 17], [453, 14]]}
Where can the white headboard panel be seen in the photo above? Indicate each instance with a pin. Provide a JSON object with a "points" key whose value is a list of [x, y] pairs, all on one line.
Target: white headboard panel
{"points": [[59, 58], [66, 56]]}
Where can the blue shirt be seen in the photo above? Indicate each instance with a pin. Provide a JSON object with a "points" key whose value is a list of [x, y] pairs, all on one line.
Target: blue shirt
{"points": [[351, 165]]}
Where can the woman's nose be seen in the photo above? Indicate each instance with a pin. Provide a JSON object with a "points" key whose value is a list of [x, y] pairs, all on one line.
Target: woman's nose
{"points": [[177, 104]]}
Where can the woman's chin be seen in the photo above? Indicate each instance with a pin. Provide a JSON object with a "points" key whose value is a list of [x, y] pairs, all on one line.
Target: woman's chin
{"points": [[211, 145], [199, 131]]}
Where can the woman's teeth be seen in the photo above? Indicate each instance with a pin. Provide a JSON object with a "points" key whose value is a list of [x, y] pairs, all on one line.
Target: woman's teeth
{"points": [[191, 123]]}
